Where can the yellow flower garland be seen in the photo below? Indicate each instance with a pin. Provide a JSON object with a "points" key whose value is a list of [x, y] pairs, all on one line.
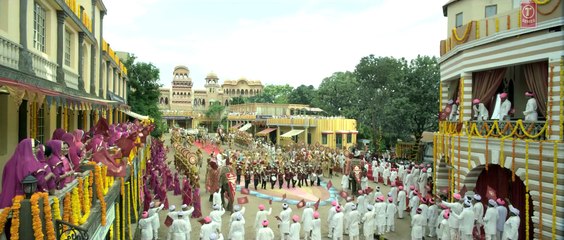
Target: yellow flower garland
{"points": [[99, 193], [50, 228], [67, 210], [502, 152], [75, 206], [85, 202], [15, 228], [4, 218], [508, 22], [35, 217], [90, 184], [466, 33], [496, 24], [541, 2], [527, 188], [129, 210], [118, 229], [435, 162], [477, 30], [56, 208], [513, 161], [555, 183]]}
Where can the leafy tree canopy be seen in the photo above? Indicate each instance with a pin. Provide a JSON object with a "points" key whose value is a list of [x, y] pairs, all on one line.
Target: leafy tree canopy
{"points": [[302, 95]]}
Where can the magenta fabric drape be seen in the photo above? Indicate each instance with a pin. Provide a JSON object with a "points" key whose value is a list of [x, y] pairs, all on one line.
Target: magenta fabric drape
{"points": [[499, 179], [536, 77], [485, 85]]}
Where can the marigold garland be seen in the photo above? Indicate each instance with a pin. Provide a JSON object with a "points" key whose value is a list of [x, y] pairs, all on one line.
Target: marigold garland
{"points": [[513, 161], [129, 210], [118, 221], [477, 30], [67, 209], [464, 37], [4, 217], [99, 193], [541, 2], [487, 153], [36, 224], [49, 226], [550, 102], [75, 206], [561, 97], [508, 22], [90, 184], [502, 152], [56, 208], [85, 202], [527, 188], [15, 228]]}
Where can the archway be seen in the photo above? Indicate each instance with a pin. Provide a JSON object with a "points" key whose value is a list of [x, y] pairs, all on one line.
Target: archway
{"points": [[500, 180]]}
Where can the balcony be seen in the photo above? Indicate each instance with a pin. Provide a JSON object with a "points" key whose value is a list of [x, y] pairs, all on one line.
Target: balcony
{"points": [[71, 79], [43, 67], [9, 53], [494, 129], [502, 25]]}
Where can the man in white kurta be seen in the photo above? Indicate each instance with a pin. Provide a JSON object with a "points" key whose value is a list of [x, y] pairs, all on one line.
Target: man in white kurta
{"points": [[391, 210], [307, 218], [295, 228], [347, 210], [331, 213], [180, 229], [285, 218], [490, 220], [237, 211], [368, 222], [386, 175], [466, 221], [316, 227], [264, 233], [443, 232], [336, 225], [394, 192], [375, 172], [208, 228], [408, 180], [455, 207], [345, 182], [402, 201], [531, 108], [424, 213], [505, 108], [501, 217], [413, 204], [478, 209], [153, 210], [361, 202], [417, 223], [146, 226], [422, 182], [393, 176], [480, 111], [511, 226], [216, 215], [380, 212], [432, 215], [261, 216], [237, 229], [217, 198], [354, 224]]}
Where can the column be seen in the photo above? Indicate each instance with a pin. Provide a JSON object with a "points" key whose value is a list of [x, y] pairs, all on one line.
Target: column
{"points": [[81, 62], [93, 55], [108, 76], [25, 62], [60, 47], [554, 98]]}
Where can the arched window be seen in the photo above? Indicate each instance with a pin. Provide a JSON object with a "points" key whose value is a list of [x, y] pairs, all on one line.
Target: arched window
{"points": [[238, 93], [246, 91], [204, 102], [166, 100]]}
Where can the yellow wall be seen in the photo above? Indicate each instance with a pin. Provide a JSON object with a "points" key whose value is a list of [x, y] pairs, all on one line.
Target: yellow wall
{"points": [[317, 127], [474, 10], [9, 21]]}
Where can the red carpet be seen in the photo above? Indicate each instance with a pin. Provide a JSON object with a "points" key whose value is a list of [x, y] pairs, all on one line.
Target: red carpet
{"points": [[208, 148]]}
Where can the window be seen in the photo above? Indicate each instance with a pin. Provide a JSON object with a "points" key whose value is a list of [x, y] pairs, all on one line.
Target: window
{"points": [[491, 10], [459, 20], [67, 48], [37, 124], [339, 140], [39, 27], [349, 138], [324, 139]]}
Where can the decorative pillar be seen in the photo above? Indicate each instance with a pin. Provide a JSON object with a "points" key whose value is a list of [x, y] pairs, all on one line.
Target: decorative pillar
{"points": [[108, 76], [93, 55], [61, 16], [466, 101], [25, 62], [554, 116], [81, 62]]}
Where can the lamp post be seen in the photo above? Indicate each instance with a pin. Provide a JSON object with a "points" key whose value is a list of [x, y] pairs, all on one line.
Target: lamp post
{"points": [[29, 184]]}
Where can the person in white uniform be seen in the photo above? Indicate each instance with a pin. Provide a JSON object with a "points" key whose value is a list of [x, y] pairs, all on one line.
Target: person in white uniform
{"points": [[237, 229], [336, 227], [480, 111], [237, 210], [208, 228], [295, 228], [391, 210], [414, 203], [505, 108], [155, 222], [455, 207], [394, 192], [531, 108], [354, 224], [478, 213], [368, 221], [265, 233], [361, 202], [285, 216], [316, 227], [146, 226], [180, 229], [386, 175], [432, 214], [216, 215], [402, 198], [424, 213], [217, 198], [501, 217], [307, 219], [490, 220], [331, 213], [453, 117], [380, 212], [347, 210], [466, 221], [511, 226], [443, 229], [417, 223], [345, 182], [261, 216]]}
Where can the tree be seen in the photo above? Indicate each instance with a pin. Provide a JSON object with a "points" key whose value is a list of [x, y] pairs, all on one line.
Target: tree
{"points": [[273, 94], [238, 100], [143, 91], [302, 95], [215, 112], [337, 95]]}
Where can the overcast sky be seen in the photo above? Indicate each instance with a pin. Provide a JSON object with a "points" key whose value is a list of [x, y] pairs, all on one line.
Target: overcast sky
{"points": [[275, 41]]}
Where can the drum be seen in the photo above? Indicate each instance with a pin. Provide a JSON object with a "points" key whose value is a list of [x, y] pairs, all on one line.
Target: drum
{"points": [[273, 178]]}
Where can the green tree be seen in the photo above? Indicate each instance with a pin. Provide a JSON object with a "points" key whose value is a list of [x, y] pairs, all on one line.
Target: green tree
{"points": [[143, 90], [337, 95], [302, 95], [273, 94], [238, 100]]}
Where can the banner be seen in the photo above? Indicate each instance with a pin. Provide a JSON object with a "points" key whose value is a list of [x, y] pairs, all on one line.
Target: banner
{"points": [[528, 14]]}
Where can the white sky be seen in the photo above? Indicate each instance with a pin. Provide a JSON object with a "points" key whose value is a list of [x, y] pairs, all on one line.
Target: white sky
{"points": [[275, 41]]}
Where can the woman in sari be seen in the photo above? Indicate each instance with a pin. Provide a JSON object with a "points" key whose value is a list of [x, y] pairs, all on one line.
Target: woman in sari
{"points": [[72, 154], [45, 177]]}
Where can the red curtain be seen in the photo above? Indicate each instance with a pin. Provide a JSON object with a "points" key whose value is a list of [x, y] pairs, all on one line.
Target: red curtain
{"points": [[536, 77], [499, 179], [485, 84]]}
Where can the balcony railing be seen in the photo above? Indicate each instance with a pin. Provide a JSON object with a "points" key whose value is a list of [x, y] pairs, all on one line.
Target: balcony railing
{"points": [[9, 53], [44, 68], [71, 79], [504, 129]]}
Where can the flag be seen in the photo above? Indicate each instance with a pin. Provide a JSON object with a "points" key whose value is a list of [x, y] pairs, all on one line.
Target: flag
{"points": [[344, 194], [168, 221], [329, 185], [316, 205], [301, 204], [242, 200], [491, 194], [245, 191], [278, 218], [283, 197]]}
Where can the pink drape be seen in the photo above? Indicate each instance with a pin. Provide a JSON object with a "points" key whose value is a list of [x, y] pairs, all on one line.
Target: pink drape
{"points": [[536, 77], [485, 85]]}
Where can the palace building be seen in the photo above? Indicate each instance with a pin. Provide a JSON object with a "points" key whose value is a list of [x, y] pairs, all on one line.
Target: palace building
{"points": [[185, 106], [495, 48]]}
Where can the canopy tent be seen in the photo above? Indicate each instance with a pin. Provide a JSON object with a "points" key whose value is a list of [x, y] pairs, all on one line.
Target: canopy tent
{"points": [[265, 132], [246, 127], [236, 126], [291, 133], [135, 115]]}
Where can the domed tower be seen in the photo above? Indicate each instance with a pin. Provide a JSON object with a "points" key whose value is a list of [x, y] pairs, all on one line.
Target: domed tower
{"points": [[212, 83], [181, 88]]}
